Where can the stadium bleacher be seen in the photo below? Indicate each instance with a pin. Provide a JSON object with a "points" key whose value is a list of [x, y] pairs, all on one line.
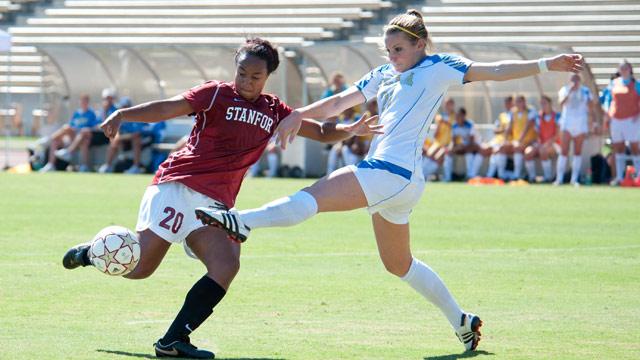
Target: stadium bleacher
{"points": [[605, 31]]}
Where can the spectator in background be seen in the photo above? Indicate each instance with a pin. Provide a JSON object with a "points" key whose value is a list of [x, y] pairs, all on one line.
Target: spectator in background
{"points": [[522, 132], [79, 132], [577, 103], [356, 147], [107, 108], [548, 144], [437, 153], [337, 85], [272, 152], [465, 143], [498, 159], [336, 152], [622, 106], [129, 132]]}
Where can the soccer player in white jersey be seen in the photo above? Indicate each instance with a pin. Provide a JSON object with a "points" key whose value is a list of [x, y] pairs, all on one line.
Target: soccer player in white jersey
{"points": [[577, 106], [389, 181]]}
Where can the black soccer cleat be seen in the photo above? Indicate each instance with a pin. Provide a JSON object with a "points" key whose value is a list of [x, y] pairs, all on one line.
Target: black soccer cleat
{"points": [[181, 349], [77, 256]]}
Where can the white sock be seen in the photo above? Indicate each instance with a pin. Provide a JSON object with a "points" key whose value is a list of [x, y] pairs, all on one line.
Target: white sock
{"points": [[477, 164], [575, 168], [518, 159], [621, 159], [546, 169], [493, 165], [636, 164], [273, 164], [531, 169], [501, 160], [560, 168], [468, 162], [286, 211], [426, 282], [448, 167]]}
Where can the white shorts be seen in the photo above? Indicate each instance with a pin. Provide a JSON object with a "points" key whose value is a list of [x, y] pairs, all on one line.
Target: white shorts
{"points": [[168, 210], [575, 127], [391, 195], [625, 129]]}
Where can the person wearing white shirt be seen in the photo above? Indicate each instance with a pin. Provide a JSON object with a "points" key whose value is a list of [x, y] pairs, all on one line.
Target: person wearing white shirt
{"points": [[577, 106], [389, 181]]}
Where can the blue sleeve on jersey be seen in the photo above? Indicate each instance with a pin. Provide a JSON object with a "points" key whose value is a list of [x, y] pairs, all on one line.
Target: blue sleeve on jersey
{"points": [[369, 83], [457, 62], [460, 65], [637, 87]]}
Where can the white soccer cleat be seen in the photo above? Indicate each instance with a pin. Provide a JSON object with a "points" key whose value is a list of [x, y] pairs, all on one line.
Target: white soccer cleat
{"points": [[469, 331], [227, 220]]}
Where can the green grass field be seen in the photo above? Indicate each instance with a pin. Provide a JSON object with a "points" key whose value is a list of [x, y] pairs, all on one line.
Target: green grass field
{"points": [[554, 273]]}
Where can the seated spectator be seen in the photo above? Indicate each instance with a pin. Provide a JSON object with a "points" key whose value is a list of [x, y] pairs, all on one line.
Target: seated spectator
{"points": [[522, 131], [498, 159], [108, 107], [435, 153], [337, 85], [465, 143], [272, 152], [78, 132], [129, 132], [548, 144], [336, 151]]}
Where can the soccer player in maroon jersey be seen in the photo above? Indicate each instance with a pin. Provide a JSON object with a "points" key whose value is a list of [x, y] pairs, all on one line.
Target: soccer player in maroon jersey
{"points": [[234, 123]]}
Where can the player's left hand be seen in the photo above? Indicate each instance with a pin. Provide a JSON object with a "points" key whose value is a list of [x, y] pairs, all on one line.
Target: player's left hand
{"points": [[364, 127], [288, 129], [111, 124], [566, 62]]}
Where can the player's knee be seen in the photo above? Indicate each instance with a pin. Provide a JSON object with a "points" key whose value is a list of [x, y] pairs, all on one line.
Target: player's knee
{"points": [[224, 269], [397, 268]]}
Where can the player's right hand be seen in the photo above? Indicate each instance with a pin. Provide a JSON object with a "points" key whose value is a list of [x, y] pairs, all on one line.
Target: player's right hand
{"points": [[111, 124]]}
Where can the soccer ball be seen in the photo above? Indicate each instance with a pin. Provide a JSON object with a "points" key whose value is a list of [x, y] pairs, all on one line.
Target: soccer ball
{"points": [[115, 250]]}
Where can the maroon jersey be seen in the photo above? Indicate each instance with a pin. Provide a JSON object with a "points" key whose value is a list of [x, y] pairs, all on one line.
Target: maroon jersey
{"points": [[228, 137]]}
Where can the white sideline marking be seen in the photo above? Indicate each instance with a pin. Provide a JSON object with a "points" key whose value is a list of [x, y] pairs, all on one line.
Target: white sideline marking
{"points": [[448, 251]]}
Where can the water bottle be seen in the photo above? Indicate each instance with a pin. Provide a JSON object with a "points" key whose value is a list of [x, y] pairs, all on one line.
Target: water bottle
{"points": [[588, 179]]}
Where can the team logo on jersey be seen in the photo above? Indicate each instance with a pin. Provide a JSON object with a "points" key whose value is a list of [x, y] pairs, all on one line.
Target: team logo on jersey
{"points": [[408, 80], [249, 116]]}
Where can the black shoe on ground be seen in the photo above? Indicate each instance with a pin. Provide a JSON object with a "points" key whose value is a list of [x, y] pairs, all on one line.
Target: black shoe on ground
{"points": [[77, 256], [181, 349]]}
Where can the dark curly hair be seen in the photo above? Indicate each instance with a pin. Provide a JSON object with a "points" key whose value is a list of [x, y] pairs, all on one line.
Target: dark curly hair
{"points": [[262, 49]]}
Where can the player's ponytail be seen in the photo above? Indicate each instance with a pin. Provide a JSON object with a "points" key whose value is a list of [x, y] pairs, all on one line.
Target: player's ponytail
{"points": [[410, 24], [262, 49]]}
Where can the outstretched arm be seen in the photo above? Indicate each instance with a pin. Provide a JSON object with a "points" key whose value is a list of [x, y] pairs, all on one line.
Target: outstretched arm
{"points": [[331, 132], [150, 112], [516, 69], [321, 109]]}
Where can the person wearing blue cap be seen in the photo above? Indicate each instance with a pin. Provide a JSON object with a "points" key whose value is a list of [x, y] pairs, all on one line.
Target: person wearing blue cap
{"points": [[129, 131]]}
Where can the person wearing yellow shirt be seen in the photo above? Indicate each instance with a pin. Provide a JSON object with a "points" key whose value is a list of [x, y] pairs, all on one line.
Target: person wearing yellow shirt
{"points": [[436, 152], [522, 130], [498, 160]]}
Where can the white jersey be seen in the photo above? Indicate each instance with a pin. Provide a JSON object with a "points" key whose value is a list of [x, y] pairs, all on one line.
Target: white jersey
{"points": [[407, 104], [576, 108]]}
